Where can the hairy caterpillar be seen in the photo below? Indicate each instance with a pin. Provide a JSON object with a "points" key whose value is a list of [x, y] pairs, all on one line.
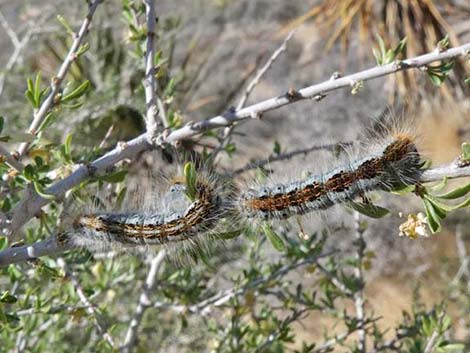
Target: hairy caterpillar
{"points": [[162, 224], [387, 160], [392, 161]]}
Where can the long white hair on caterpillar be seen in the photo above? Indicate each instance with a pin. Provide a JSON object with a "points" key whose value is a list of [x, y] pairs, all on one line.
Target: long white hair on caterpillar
{"points": [[387, 159], [188, 213]]}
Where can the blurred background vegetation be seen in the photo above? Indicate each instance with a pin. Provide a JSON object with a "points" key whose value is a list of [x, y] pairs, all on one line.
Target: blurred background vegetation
{"points": [[298, 296]]}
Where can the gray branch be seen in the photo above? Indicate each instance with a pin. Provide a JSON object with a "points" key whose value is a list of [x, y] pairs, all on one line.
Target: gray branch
{"points": [[150, 83], [144, 302]]}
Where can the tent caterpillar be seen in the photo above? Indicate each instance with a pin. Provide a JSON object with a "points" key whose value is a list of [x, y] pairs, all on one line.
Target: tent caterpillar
{"points": [[395, 164], [100, 230]]}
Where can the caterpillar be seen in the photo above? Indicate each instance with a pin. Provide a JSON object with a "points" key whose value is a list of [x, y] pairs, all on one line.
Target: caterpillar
{"points": [[101, 230], [386, 161], [391, 162]]}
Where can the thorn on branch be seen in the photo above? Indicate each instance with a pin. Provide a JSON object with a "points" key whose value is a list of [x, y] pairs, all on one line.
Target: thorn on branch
{"points": [[318, 97], [293, 95], [336, 75], [256, 115], [401, 65], [91, 170], [122, 145]]}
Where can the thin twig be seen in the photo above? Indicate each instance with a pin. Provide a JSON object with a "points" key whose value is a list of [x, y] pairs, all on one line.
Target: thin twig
{"points": [[430, 345], [223, 297], [150, 83], [261, 72], [144, 302], [90, 308], [286, 156], [18, 45], [11, 160], [32, 203], [225, 139], [359, 274], [56, 81], [11, 33]]}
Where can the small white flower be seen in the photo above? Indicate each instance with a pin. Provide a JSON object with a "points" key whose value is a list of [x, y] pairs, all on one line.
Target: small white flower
{"points": [[415, 226]]}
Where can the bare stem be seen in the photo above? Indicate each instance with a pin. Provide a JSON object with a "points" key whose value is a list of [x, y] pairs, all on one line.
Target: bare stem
{"points": [[359, 274], [144, 302], [225, 139], [90, 308], [286, 156], [10, 159], [150, 83]]}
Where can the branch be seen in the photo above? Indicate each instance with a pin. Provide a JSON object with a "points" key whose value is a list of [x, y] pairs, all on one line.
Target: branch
{"points": [[90, 308], [56, 81], [32, 203], [18, 44], [224, 296], [144, 302], [150, 84], [286, 156], [251, 86], [358, 296], [225, 139], [451, 171], [10, 159]]}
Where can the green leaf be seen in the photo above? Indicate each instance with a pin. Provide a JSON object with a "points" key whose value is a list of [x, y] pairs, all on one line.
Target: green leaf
{"points": [[40, 190], [30, 85], [433, 220], [77, 92], [29, 172], [3, 243], [456, 193], [369, 209], [6, 204], [443, 44], [64, 23], [37, 89], [465, 151], [230, 148], [83, 49], [440, 211], [2, 123], [7, 298], [191, 183], [67, 149], [399, 48], [48, 121], [437, 80], [273, 237], [439, 187], [447, 208], [405, 189], [29, 96], [277, 147], [451, 347]]}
